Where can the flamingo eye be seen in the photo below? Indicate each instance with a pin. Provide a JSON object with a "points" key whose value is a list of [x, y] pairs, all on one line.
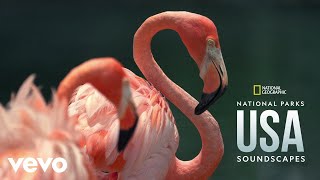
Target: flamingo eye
{"points": [[211, 42], [211, 48]]}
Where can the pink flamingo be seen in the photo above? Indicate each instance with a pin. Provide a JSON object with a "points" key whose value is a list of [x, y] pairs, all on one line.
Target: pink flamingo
{"points": [[31, 128], [102, 74], [151, 152]]}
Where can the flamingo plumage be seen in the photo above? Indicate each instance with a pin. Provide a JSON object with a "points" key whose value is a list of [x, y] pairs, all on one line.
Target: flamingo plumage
{"points": [[95, 113], [151, 152], [32, 128]]}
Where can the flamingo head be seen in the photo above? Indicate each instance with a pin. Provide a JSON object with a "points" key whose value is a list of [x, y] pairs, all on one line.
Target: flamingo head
{"points": [[200, 36]]}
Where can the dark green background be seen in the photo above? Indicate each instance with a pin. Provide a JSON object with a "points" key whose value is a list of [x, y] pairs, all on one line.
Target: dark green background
{"points": [[268, 43]]}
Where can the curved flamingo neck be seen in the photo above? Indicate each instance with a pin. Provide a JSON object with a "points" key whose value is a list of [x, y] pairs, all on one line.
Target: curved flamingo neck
{"points": [[205, 163]]}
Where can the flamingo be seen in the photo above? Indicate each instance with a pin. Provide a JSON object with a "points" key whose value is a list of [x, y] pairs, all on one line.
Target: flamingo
{"points": [[103, 73], [32, 128], [150, 154]]}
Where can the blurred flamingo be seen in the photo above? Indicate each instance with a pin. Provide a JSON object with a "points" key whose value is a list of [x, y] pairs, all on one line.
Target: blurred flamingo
{"points": [[31, 128], [151, 152], [107, 76]]}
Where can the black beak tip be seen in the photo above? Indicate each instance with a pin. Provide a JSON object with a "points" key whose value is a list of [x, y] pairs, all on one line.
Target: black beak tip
{"points": [[199, 109], [126, 135], [121, 147], [206, 101]]}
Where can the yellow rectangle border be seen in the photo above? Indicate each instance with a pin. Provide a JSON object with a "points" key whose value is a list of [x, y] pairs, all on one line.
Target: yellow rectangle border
{"points": [[254, 90]]}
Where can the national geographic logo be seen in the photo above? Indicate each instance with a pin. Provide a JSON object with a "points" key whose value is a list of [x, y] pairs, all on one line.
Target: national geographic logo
{"points": [[258, 90]]}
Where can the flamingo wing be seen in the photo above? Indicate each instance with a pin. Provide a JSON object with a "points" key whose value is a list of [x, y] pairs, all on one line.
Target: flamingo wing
{"points": [[152, 147], [96, 115]]}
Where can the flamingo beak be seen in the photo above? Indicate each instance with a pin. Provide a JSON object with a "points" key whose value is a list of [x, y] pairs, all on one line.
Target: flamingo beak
{"points": [[127, 116], [125, 101], [214, 73], [126, 135]]}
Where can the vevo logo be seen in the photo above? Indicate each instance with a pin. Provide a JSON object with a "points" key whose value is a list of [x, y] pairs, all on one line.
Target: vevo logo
{"points": [[30, 164]]}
